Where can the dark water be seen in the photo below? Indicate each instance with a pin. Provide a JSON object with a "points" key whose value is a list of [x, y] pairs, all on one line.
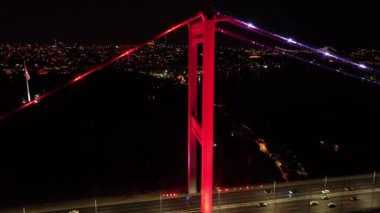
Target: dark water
{"points": [[330, 122], [109, 136], [101, 137]]}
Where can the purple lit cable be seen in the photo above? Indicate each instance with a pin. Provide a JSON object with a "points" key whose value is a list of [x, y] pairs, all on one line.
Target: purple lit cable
{"points": [[277, 50], [251, 27]]}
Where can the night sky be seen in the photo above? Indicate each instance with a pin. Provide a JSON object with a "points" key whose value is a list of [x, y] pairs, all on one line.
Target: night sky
{"points": [[340, 24]]}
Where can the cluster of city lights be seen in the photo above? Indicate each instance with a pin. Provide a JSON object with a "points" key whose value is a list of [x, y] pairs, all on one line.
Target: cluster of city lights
{"points": [[245, 25], [101, 66]]}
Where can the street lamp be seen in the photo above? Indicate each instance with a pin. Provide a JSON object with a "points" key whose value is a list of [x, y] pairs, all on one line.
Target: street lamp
{"points": [[160, 202], [274, 196], [219, 197], [96, 206], [373, 188]]}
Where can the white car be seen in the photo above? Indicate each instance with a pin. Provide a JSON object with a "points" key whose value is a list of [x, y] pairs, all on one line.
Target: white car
{"points": [[313, 203], [331, 205], [350, 188], [325, 191], [324, 197], [74, 211], [262, 204]]}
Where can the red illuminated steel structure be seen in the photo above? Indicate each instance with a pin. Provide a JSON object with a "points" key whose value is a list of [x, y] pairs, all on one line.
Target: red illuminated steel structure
{"points": [[201, 32]]}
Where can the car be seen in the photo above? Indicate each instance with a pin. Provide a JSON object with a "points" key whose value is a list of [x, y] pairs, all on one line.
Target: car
{"points": [[267, 191], [353, 198], [324, 197], [262, 204], [313, 203], [350, 188], [325, 191], [74, 211], [331, 205]]}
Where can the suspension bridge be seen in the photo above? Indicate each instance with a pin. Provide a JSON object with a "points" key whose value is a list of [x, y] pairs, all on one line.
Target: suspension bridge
{"points": [[202, 29]]}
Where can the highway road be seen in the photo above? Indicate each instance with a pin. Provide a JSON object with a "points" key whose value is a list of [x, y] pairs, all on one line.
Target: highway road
{"points": [[246, 199]]}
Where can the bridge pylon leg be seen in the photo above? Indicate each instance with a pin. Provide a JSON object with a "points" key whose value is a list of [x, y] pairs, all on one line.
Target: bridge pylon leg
{"points": [[201, 32], [192, 113]]}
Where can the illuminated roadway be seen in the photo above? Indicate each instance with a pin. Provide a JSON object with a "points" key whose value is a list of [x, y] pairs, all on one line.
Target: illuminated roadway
{"points": [[236, 200]]}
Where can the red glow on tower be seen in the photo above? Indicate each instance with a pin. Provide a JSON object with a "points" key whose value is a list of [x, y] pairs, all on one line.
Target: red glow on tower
{"points": [[201, 31]]}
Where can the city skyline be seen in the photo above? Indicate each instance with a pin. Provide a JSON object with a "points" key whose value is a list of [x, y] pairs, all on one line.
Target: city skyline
{"points": [[63, 59]]}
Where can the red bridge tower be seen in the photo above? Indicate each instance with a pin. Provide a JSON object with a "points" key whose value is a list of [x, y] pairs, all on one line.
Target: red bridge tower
{"points": [[201, 126]]}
